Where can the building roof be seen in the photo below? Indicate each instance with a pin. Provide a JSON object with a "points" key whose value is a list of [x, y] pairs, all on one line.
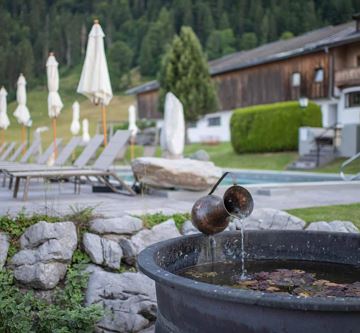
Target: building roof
{"points": [[309, 42]]}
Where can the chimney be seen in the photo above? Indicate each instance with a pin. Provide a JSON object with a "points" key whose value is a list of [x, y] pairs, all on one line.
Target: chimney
{"points": [[356, 17]]}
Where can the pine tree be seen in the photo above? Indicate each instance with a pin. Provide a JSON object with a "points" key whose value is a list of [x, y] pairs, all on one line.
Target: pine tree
{"points": [[154, 44], [248, 41], [120, 60], [185, 73], [220, 43]]}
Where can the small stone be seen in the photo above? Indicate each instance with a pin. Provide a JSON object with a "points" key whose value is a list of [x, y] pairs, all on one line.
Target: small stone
{"points": [[102, 251], [41, 275], [158, 233], [188, 228], [129, 300], [117, 225], [4, 247], [334, 226], [129, 251], [271, 219], [319, 226], [343, 226]]}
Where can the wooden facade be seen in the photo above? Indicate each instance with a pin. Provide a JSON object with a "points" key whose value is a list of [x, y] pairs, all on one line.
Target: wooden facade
{"points": [[147, 105], [272, 81]]}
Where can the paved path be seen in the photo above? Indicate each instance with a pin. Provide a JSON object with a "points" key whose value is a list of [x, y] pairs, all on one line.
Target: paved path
{"points": [[57, 198]]}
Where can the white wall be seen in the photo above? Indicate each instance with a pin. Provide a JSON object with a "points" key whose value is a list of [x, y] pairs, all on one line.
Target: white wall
{"points": [[205, 133], [348, 115]]}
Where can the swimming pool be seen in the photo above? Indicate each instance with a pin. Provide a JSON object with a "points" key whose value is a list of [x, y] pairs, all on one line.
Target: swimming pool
{"points": [[260, 177]]}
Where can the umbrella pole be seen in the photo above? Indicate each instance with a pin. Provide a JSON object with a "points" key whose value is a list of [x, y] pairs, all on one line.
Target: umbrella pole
{"points": [[132, 152], [54, 131], [23, 138], [103, 111]]}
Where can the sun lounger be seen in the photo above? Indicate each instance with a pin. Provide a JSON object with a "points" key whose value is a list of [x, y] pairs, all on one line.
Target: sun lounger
{"points": [[2, 147], [100, 169], [17, 152], [8, 151], [42, 159]]}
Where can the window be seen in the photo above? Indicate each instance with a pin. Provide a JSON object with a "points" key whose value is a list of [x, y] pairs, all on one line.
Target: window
{"points": [[192, 124], [319, 75], [352, 99], [296, 79], [214, 121]]}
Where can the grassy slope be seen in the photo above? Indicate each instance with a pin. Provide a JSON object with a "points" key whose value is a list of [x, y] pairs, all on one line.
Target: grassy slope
{"points": [[330, 213], [37, 104]]}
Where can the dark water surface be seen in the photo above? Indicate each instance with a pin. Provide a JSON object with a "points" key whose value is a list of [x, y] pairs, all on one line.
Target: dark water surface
{"points": [[327, 277]]}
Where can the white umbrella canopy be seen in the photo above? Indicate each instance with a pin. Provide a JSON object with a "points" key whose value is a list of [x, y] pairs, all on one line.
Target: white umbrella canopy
{"points": [[54, 101], [75, 124], [21, 113], [173, 130], [95, 80], [4, 119], [132, 120], [85, 131]]}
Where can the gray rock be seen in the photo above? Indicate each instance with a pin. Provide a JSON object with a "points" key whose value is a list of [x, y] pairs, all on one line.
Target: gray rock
{"points": [[41, 275], [4, 247], [180, 173], [200, 155], [102, 251], [150, 329], [158, 233], [269, 218], [188, 228], [118, 225], [129, 300], [343, 226], [319, 226], [47, 248], [334, 226], [129, 251]]}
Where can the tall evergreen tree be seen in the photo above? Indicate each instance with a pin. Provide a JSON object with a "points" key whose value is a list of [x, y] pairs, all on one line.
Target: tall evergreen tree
{"points": [[185, 73]]}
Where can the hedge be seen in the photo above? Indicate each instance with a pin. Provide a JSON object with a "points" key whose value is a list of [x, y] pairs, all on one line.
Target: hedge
{"points": [[271, 127]]}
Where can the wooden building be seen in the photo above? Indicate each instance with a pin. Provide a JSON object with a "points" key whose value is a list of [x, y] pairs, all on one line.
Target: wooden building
{"points": [[321, 65]]}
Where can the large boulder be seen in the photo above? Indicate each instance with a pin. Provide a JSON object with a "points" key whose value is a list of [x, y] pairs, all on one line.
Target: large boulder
{"points": [[46, 250], [4, 247], [117, 225], [129, 300], [181, 173], [102, 251], [269, 218]]}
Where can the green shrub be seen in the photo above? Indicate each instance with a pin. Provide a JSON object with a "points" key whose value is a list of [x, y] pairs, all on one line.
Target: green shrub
{"points": [[271, 127], [151, 220], [24, 312]]}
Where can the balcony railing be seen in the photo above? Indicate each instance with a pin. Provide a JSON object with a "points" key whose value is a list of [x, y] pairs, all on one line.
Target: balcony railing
{"points": [[347, 76]]}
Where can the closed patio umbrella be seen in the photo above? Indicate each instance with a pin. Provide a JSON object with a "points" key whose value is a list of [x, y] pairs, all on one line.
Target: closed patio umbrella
{"points": [[4, 119], [22, 113], [173, 130], [54, 101], [133, 129], [95, 80], [75, 124]]}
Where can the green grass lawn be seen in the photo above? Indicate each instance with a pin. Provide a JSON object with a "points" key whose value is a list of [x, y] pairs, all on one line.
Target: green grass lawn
{"points": [[349, 212]]}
